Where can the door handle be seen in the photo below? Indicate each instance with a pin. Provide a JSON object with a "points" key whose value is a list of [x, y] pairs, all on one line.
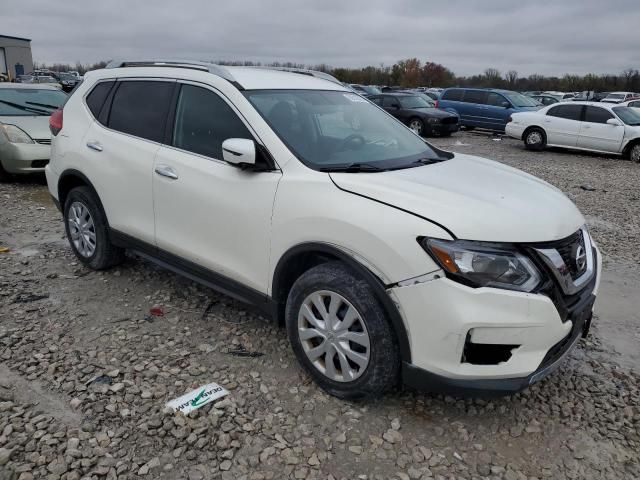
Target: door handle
{"points": [[166, 171], [95, 146]]}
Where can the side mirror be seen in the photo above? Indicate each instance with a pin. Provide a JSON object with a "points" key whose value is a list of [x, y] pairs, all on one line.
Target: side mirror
{"points": [[239, 151], [614, 121], [506, 104]]}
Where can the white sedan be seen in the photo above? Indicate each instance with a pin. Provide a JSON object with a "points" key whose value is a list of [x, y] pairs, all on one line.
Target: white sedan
{"points": [[598, 127]]}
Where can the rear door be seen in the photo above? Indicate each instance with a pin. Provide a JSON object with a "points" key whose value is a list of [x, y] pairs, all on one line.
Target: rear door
{"points": [[473, 109], [391, 105], [597, 134], [562, 124], [120, 149]]}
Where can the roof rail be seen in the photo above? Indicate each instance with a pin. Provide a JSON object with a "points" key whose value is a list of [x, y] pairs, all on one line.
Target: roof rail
{"points": [[212, 68], [302, 71]]}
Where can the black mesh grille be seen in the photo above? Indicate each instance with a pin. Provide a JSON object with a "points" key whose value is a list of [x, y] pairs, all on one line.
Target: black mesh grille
{"points": [[449, 120], [39, 163]]}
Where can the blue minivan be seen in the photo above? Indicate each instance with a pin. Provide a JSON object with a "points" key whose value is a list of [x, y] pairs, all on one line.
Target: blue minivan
{"points": [[485, 107]]}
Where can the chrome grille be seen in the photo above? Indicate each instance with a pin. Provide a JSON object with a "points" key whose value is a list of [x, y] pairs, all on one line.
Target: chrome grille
{"points": [[569, 249]]}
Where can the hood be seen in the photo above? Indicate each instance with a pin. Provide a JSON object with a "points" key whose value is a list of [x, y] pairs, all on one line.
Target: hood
{"points": [[37, 127], [431, 112], [475, 198]]}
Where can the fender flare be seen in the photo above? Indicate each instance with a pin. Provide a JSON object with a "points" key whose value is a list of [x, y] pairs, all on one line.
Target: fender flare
{"points": [[378, 286]]}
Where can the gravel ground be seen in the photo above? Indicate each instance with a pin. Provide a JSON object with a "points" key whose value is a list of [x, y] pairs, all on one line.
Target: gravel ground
{"points": [[85, 371]]}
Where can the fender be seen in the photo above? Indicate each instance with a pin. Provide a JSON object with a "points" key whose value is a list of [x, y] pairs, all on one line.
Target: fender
{"points": [[71, 172], [279, 290]]}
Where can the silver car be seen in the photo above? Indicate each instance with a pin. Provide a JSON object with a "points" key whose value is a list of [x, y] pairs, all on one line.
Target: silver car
{"points": [[25, 139]]}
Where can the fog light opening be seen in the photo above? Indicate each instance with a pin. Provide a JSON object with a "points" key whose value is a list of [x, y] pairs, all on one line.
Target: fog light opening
{"points": [[486, 353]]}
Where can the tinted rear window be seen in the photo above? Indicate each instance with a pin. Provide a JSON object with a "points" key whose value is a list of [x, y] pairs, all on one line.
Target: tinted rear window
{"points": [[570, 112], [475, 96], [140, 108], [453, 94], [98, 95]]}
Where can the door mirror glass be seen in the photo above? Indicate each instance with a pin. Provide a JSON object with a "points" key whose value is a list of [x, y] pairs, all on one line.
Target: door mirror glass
{"points": [[239, 151], [614, 121], [506, 104]]}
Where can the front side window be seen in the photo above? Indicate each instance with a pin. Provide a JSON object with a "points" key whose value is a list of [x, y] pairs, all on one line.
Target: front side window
{"points": [[496, 100], [568, 112], [519, 100], [596, 115], [203, 121], [140, 108], [334, 129], [30, 101], [630, 116]]}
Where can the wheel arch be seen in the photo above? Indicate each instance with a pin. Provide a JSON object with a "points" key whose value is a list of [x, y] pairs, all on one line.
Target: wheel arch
{"points": [[70, 179], [630, 144], [301, 258]]}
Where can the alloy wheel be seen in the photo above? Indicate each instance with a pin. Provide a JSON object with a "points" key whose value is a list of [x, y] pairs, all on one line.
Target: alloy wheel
{"points": [[635, 154], [416, 126], [334, 336], [534, 138], [82, 229]]}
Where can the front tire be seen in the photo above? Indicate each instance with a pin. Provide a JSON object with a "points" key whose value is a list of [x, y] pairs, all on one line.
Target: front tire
{"points": [[88, 230], [534, 139], [340, 334], [417, 126], [634, 153]]}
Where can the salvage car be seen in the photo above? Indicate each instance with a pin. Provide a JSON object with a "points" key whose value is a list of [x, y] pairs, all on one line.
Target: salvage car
{"points": [[387, 259], [418, 114], [597, 127], [619, 97], [25, 138]]}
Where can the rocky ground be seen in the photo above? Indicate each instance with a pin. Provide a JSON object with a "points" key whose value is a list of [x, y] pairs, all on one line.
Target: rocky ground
{"points": [[85, 371]]}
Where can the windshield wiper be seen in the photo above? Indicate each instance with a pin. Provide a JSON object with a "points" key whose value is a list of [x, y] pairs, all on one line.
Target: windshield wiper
{"points": [[352, 168], [427, 161], [46, 105], [25, 108]]}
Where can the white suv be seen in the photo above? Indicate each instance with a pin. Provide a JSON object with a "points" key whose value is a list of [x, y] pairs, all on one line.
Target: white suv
{"points": [[386, 258]]}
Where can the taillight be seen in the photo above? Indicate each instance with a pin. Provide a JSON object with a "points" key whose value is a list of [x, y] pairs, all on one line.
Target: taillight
{"points": [[510, 119], [55, 122], [436, 102]]}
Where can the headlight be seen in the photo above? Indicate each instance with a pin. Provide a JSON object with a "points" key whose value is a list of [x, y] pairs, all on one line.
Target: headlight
{"points": [[433, 120], [481, 264], [15, 134]]}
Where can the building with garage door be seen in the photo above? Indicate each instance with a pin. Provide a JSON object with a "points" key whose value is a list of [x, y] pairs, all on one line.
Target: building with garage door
{"points": [[15, 56]]}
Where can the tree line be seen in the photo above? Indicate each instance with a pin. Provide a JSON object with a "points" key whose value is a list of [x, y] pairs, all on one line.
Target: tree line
{"points": [[413, 72]]}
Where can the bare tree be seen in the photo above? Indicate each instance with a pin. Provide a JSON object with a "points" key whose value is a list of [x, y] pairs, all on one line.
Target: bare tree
{"points": [[511, 77]]}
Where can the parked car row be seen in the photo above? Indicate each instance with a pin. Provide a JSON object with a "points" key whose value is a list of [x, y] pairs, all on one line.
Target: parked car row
{"points": [[66, 81]]}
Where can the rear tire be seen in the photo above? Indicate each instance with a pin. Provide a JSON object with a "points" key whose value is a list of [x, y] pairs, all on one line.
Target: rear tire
{"points": [[534, 139], [4, 175], [340, 334], [88, 230]]}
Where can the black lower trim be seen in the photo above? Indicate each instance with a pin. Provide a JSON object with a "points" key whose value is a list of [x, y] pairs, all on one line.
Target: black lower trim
{"points": [[194, 272]]}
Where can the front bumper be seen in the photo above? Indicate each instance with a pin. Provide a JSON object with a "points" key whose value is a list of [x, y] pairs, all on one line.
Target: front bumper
{"points": [[442, 128], [24, 158], [443, 316], [514, 130]]}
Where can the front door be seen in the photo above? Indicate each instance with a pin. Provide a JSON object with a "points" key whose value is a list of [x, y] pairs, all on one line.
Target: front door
{"points": [[208, 211], [597, 134]]}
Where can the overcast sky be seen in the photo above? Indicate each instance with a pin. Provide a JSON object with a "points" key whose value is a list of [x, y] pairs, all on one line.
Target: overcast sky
{"points": [[544, 36]]}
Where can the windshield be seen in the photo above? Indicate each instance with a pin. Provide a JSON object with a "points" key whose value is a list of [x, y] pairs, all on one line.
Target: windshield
{"points": [[630, 116], [519, 100], [30, 101], [413, 102], [333, 129]]}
